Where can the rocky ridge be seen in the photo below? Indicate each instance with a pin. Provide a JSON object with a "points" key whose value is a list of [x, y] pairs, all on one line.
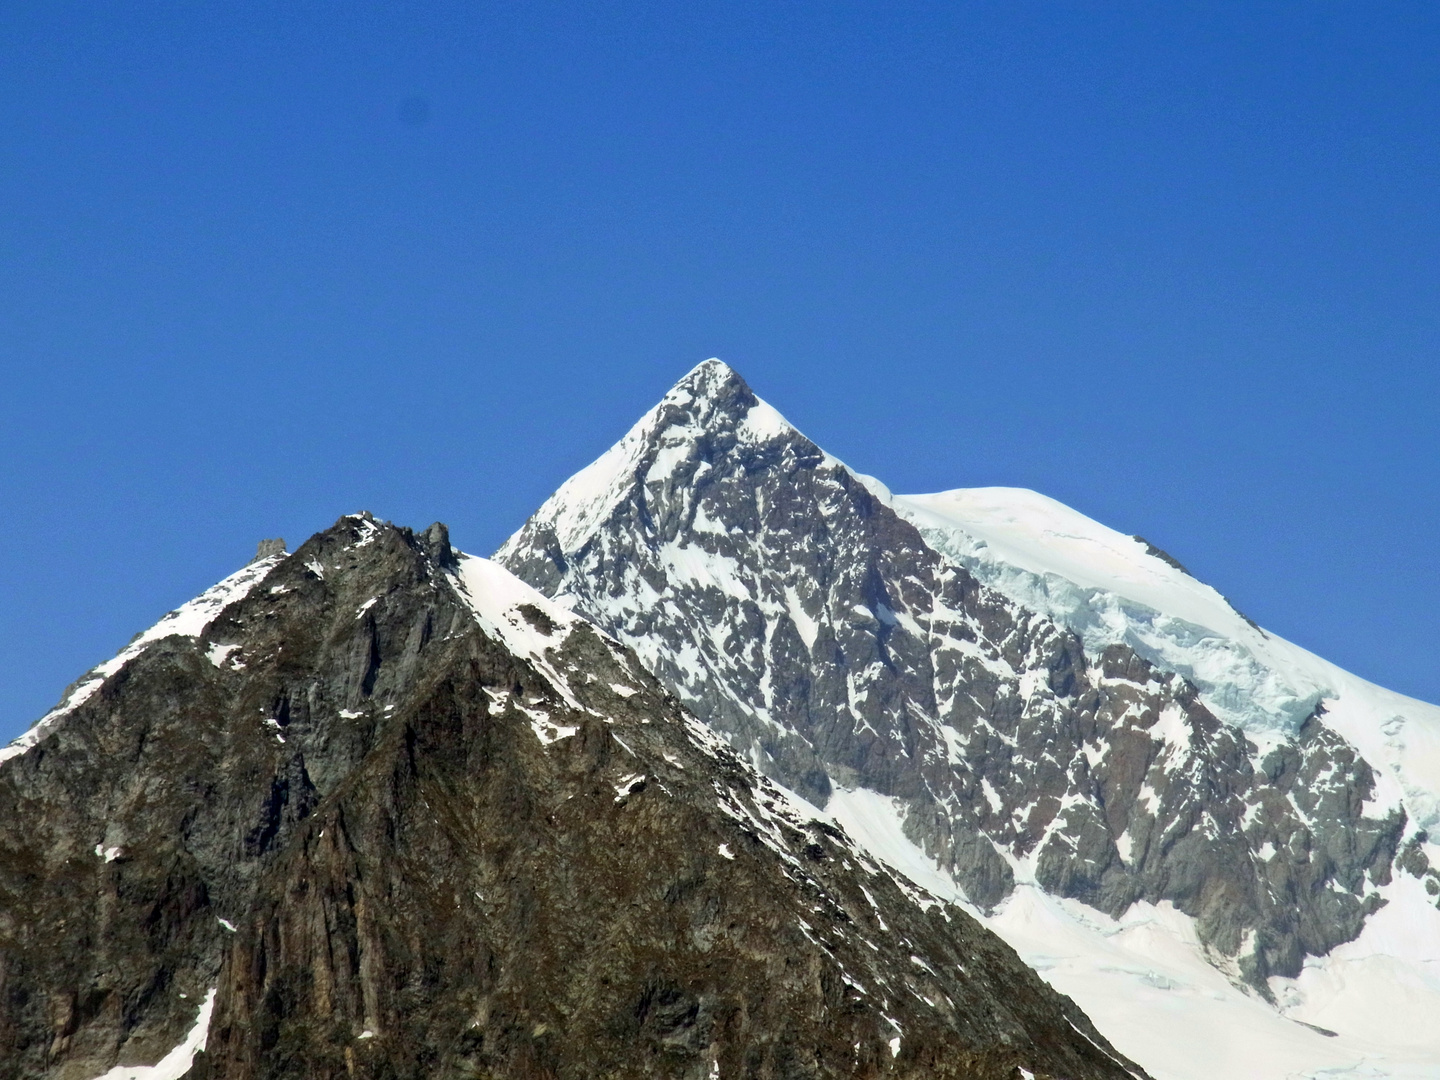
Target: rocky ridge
{"points": [[377, 809]]}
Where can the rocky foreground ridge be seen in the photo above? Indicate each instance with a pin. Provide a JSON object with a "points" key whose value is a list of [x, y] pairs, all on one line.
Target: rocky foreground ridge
{"points": [[376, 809]]}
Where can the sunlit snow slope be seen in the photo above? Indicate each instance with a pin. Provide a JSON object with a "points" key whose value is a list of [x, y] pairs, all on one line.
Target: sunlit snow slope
{"points": [[1145, 982]]}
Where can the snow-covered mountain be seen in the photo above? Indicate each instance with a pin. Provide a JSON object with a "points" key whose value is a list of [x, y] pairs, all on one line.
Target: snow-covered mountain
{"points": [[336, 816], [1217, 842]]}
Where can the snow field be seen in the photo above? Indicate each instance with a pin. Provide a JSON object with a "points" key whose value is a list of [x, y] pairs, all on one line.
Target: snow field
{"points": [[1145, 982]]}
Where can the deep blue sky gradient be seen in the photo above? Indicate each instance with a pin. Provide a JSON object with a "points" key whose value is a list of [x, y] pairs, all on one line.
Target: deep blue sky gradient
{"points": [[1175, 265]]}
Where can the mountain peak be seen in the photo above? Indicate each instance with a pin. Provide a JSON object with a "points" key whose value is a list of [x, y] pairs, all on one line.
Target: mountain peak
{"points": [[1031, 705], [710, 411], [709, 378], [710, 396]]}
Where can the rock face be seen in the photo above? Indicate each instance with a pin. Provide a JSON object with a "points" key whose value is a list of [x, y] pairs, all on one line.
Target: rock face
{"points": [[785, 600], [377, 809]]}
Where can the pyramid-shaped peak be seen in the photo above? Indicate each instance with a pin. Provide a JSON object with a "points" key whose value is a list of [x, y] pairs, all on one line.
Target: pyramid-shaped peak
{"points": [[711, 409], [711, 380], [710, 372], [711, 398]]}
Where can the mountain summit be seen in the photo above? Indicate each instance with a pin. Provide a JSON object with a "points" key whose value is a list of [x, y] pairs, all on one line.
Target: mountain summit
{"points": [[1048, 715], [708, 412]]}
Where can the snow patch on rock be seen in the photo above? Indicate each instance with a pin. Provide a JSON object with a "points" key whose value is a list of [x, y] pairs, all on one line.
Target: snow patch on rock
{"points": [[177, 1062], [495, 597], [188, 620]]}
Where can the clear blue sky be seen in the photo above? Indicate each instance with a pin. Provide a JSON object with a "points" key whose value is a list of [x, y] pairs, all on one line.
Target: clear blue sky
{"points": [[265, 264]]}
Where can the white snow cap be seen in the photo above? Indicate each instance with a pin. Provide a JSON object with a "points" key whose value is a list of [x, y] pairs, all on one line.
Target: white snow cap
{"points": [[1039, 534]]}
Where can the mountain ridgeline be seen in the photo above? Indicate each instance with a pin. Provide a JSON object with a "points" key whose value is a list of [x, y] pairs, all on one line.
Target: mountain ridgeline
{"points": [[377, 809]]}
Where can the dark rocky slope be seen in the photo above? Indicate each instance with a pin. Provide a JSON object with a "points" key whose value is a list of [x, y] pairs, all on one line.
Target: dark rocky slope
{"points": [[780, 597], [404, 822]]}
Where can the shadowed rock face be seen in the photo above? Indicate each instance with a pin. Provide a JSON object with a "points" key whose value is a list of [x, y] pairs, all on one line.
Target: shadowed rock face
{"points": [[779, 596], [404, 829]]}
